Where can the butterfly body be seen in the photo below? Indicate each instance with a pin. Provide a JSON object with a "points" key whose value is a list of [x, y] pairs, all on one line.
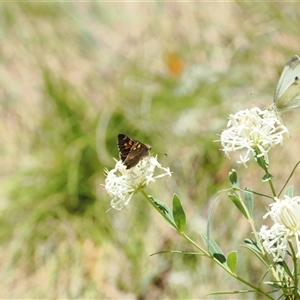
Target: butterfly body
{"points": [[131, 151], [287, 93]]}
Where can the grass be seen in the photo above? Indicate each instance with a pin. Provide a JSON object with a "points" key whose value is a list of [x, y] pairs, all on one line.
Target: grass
{"points": [[74, 75]]}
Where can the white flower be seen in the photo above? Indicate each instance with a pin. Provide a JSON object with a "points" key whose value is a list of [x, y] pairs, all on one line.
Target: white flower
{"points": [[286, 216], [255, 131], [121, 184]]}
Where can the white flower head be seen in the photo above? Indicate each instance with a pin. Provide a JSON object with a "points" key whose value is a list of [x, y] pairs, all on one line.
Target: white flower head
{"points": [[286, 216], [121, 184], [254, 131]]}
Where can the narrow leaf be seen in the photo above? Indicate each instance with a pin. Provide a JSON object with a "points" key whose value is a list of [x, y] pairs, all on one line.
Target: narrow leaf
{"points": [[220, 257], [267, 177], [262, 162], [178, 213], [232, 260], [256, 254], [286, 268], [231, 292], [164, 210], [209, 219], [237, 202], [290, 191], [249, 202], [213, 248], [252, 244], [177, 251], [273, 284], [233, 178], [210, 244]]}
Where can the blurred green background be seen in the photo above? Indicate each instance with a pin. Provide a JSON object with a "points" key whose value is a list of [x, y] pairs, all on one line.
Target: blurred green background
{"points": [[73, 76]]}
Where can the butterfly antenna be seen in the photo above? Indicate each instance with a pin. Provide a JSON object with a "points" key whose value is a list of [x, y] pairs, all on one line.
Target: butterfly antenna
{"points": [[108, 210], [252, 95], [160, 151]]}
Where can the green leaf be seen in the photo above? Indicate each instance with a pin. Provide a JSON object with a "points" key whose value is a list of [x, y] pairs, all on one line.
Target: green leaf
{"points": [[267, 177], [178, 214], [232, 260], [177, 251], [209, 218], [233, 178], [164, 210], [273, 284], [211, 245], [237, 202], [252, 246], [264, 164], [220, 257], [284, 265], [251, 243], [231, 292], [249, 202], [290, 191], [213, 248]]}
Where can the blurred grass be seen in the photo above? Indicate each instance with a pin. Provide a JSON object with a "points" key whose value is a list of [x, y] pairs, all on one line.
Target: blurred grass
{"points": [[73, 76]]}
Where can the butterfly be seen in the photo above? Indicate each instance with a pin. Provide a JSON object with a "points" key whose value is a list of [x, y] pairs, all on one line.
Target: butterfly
{"points": [[131, 151], [287, 93]]}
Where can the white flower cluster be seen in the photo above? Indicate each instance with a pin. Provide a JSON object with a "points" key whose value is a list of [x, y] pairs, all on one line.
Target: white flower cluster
{"points": [[286, 216], [121, 184], [254, 130]]}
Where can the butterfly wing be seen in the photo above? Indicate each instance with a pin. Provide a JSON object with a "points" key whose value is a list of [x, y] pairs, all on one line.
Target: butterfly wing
{"points": [[137, 152], [125, 144], [287, 93], [131, 151]]}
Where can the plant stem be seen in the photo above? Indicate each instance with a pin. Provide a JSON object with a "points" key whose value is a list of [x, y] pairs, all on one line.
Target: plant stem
{"points": [[224, 267], [272, 187], [295, 262], [204, 252]]}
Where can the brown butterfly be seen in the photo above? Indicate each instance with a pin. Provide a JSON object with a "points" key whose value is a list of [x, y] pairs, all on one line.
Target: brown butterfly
{"points": [[131, 151]]}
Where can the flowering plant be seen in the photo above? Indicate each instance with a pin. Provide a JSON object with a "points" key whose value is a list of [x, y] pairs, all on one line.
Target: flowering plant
{"points": [[253, 133], [122, 183]]}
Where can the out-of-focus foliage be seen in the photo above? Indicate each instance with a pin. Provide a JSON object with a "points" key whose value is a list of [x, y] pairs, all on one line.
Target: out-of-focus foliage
{"points": [[73, 76]]}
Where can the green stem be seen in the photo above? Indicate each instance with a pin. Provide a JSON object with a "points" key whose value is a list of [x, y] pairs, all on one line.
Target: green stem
{"points": [[272, 187], [291, 175], [251, 222], [295, 262], [205, 253], [261, 162], [208, 255]]}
